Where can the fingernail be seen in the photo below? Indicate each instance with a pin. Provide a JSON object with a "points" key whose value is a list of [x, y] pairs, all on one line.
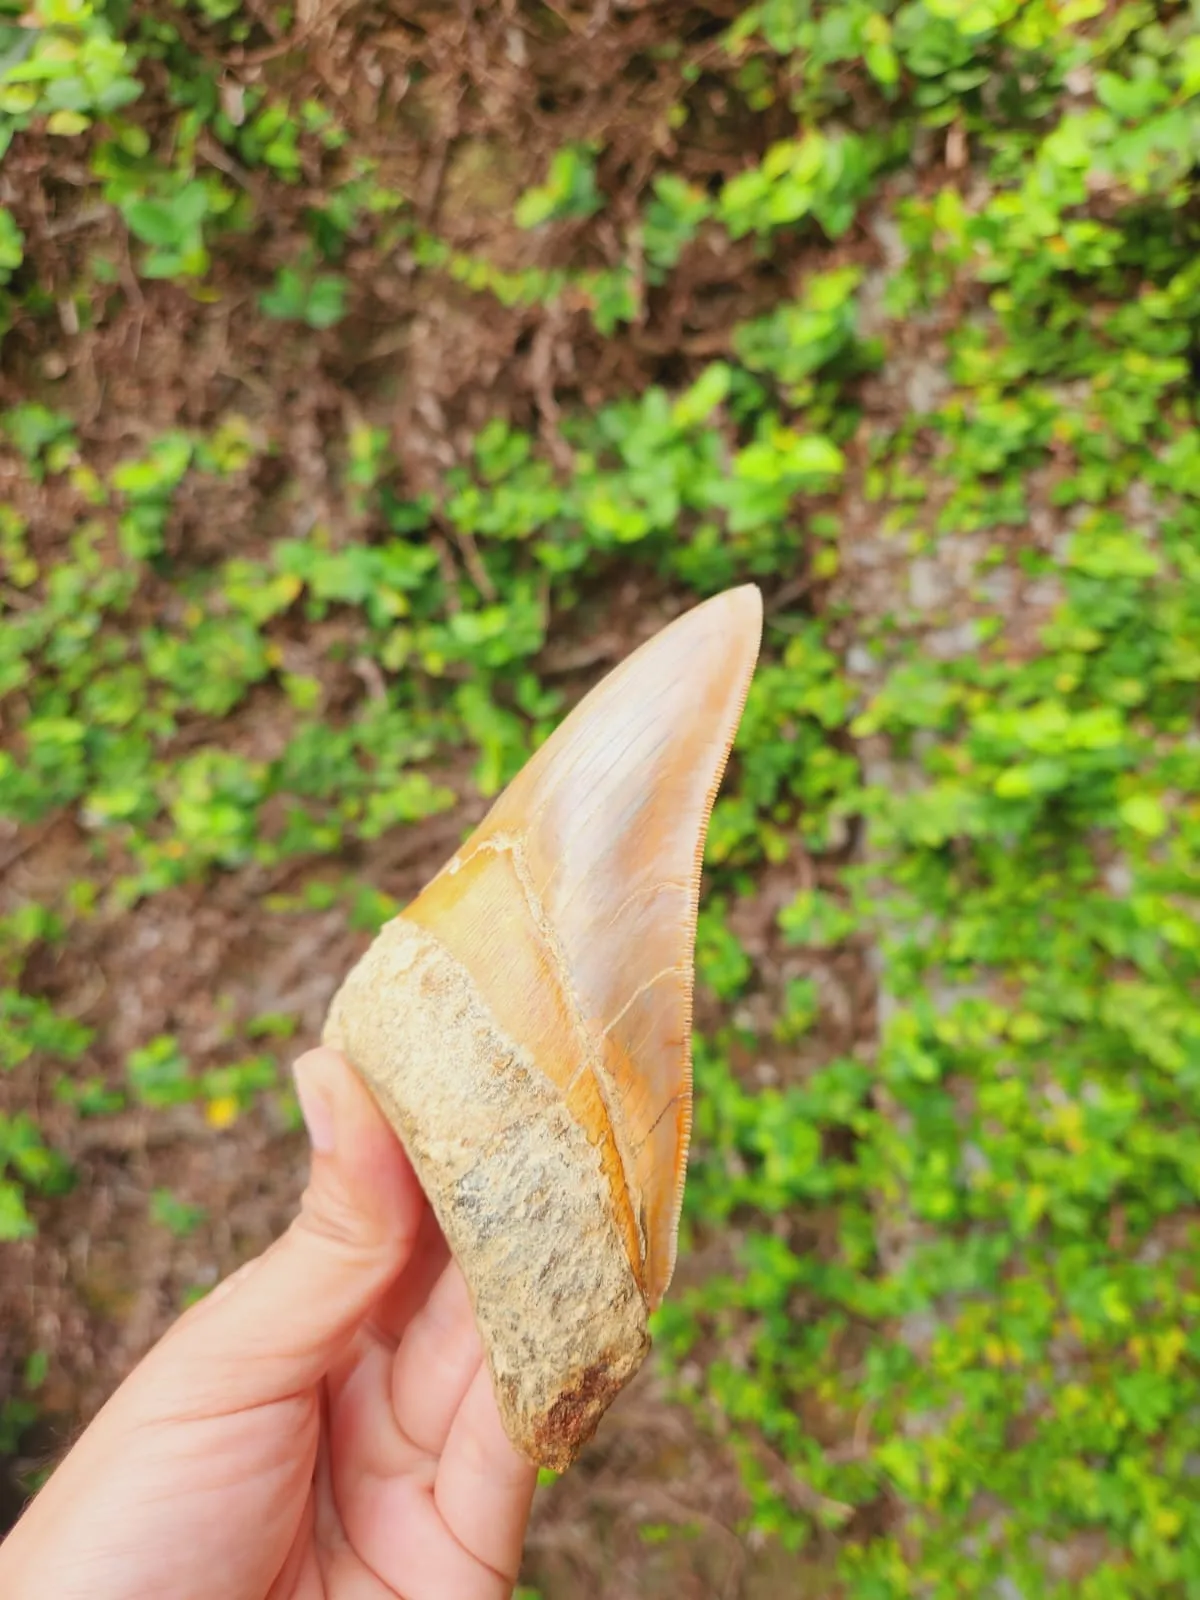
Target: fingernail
{"points": [[316, 1110]]}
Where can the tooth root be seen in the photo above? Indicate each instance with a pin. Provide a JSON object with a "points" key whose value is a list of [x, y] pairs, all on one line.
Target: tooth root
{"points": [[526, 1024], [518, 1187]]}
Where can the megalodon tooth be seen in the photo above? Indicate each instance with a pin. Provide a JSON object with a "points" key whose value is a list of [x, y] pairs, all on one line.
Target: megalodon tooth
{"points": [[525, 1024]]}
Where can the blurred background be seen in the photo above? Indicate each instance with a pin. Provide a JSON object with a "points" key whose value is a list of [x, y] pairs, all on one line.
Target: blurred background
{"points": [[375, 377]]}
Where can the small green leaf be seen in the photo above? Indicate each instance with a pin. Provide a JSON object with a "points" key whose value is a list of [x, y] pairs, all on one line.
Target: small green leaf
{"points": [[1146, 814]]}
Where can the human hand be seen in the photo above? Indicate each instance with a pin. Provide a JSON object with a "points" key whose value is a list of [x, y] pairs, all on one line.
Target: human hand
{"points": [[320, 1427]]}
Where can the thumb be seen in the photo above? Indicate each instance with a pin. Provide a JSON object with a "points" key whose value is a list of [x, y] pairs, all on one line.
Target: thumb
{"points": [[278, 1324]]}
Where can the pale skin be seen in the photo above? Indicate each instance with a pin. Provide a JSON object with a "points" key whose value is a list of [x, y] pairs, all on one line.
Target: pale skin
{"points": [[320, 1427]]}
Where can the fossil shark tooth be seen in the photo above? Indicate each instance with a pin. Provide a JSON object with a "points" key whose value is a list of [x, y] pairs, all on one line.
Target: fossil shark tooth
{"points": [[526, 1025]]}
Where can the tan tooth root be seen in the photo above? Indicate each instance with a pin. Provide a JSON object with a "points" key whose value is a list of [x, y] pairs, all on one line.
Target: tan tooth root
{"points": [[526, 1025], [518, 1189]]}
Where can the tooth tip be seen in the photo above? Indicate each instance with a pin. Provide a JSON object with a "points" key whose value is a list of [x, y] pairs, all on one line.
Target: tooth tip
{"points": [[745, 598], [748, 595], [740, 608]]}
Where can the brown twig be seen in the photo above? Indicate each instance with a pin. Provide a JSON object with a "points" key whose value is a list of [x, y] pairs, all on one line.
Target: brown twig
{"points": [[473, 561]]}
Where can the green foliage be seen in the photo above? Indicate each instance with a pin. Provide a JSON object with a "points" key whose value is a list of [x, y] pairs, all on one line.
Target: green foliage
{"points": [[19, 1411], [821, 175], [954, 435], [814, 334], [43, 437], [27, 1165], [29, 1025], [859, 34], [173, 227], [62, 64], [319, 299], [159, 1074], [670, 222], [171, 212], [569, 190], [174, 1214], [12, 245]]}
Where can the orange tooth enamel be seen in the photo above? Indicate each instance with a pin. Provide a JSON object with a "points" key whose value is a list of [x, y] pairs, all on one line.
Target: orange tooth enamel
{"points": [[526, 1024], [598, 844], [480, 912]]}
